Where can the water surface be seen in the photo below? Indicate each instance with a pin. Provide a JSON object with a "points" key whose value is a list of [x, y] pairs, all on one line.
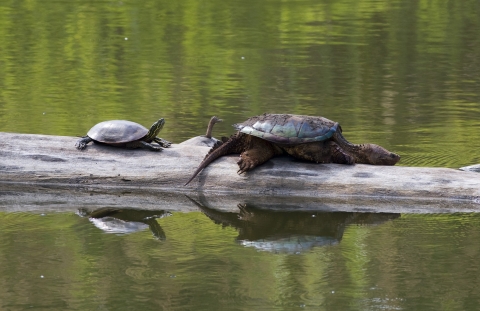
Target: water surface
{"points": [[333, 261]]}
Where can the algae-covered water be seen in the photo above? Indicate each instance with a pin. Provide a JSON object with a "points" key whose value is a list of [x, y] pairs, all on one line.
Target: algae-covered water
{"points": [[402, 74]]}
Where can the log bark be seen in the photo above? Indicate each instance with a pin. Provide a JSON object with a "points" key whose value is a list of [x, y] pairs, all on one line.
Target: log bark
{"points": [[51, 166]]}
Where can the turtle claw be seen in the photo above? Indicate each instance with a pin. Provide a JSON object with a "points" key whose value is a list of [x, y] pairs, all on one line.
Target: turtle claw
{"points": [[162, 142], [244, 165], [80, 146], [152, 147], [241, 171], [144, 145], [165, 144]]}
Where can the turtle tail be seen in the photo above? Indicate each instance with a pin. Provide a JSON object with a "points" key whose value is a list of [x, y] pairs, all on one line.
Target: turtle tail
{"points": [[219, 149]]}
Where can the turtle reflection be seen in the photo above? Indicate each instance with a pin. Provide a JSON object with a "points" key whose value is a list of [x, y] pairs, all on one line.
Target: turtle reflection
{"points": [[289, 231], [125, 221]]}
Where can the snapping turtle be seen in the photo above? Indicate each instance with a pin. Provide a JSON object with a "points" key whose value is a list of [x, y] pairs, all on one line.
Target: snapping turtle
{"points": [[204, 140], [126, 134], [310, 138]]}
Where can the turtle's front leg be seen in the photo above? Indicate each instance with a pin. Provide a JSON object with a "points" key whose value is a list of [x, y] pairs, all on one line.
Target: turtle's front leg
{"points": [[259, 152], [142, 144], [321, 152], [339, 155], [162, 142], [82, 142]]}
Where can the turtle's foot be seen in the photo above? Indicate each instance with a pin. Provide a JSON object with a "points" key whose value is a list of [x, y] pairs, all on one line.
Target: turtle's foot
{"points": [[152, 147], [253, 157], [162, 142], [144, 145], [81, 144], [245, 164]]}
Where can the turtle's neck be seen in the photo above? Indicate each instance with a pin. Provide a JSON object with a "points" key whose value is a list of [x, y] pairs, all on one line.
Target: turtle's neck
{"points": [[212, 122], [356, 151]]}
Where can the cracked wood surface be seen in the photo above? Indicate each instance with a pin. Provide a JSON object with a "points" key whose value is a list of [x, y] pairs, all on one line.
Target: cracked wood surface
{"points": [[52, 163]]}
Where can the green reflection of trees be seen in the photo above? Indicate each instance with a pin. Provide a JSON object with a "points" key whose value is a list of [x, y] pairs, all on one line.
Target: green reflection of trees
{"points": [[392, 72], [184, 60], [414, 262]]}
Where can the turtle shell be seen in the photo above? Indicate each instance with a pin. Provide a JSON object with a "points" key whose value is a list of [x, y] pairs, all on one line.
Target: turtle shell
{"points": [[289, 128], [117, 132]]}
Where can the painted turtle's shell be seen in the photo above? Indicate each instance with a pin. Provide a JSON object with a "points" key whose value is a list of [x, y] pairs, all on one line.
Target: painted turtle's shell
{"points": [[289, 128], [117, 132]]}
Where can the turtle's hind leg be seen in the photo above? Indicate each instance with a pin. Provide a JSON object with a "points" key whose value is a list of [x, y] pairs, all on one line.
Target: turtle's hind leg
{"points": [[81, 144]]}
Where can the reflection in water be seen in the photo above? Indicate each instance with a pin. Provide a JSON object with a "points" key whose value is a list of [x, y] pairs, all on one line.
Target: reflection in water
{"points": [[288, 231], [125, 221]]}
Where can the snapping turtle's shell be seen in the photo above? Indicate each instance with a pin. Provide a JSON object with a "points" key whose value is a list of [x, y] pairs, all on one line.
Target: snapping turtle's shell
{"points": [[289, 128], [117, 132]]}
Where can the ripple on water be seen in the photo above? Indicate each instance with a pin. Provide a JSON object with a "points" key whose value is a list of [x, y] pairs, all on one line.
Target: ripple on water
{"points": [[21, 221]]}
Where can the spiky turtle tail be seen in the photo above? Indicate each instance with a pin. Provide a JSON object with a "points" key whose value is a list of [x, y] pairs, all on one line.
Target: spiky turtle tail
{"points": [[220, 149]]}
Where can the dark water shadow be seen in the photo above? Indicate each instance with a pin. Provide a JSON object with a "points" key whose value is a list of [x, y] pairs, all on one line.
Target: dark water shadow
{"points": [[126, 221], [289, 231]]}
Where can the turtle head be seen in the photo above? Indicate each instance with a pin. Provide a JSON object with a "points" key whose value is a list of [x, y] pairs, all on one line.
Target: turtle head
{"points": [[156, 128], [377, 155], [212, 122]]}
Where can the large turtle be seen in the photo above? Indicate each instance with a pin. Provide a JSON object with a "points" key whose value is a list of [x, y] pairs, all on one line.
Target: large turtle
{"points": [[310, 138], [126, 134]]}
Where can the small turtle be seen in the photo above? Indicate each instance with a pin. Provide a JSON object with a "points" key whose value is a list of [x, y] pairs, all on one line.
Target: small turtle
{"points": [[309, 138], [204, 140], [126, 134]]}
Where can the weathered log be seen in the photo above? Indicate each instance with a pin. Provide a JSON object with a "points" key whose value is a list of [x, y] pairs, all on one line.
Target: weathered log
{"points": [[471, 168], [52, 164]]}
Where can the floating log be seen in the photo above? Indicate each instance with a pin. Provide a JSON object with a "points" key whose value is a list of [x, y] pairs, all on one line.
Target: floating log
{"points": [[51, 168], [471, 168]]}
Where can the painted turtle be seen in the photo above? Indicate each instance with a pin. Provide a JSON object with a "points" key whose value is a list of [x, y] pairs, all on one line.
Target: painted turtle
{"points": [[126, 134]]}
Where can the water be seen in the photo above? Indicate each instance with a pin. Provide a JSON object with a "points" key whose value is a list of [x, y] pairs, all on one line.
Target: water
{"points": [[61, 261], [402, 74]]}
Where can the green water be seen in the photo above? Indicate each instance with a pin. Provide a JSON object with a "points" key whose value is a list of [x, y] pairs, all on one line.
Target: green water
{"points": [[269, 261], [402, 74]]}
